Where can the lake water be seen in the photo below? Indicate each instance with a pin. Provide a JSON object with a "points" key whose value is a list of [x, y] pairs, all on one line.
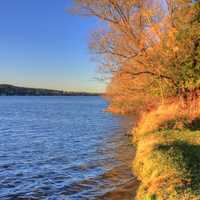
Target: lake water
{"points": [[63, 148]]}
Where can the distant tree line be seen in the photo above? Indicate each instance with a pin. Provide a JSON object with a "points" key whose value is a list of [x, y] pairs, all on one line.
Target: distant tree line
{"points": [[10, 90]]}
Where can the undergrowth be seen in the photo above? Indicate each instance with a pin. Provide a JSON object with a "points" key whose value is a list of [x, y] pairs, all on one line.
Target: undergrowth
{"points": [[167, 161]]}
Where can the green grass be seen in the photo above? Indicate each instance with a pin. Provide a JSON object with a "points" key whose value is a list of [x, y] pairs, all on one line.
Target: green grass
{"points": [[167, 162]]}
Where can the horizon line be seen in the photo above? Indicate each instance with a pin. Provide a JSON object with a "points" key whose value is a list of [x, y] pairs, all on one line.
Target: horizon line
{"points": [[46, 88]]}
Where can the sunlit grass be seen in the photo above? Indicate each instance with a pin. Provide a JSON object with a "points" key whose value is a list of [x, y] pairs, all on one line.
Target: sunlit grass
{"points": [[167, 159]]}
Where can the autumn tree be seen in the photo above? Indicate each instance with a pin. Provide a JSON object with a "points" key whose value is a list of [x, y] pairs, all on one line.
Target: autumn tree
{"points": [[149, 49]]}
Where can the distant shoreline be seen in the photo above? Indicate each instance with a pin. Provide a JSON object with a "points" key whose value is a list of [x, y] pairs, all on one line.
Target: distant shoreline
{"points": [[11, 90]]}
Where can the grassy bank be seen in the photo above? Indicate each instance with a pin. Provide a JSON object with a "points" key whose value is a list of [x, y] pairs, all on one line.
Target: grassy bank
{"points": [[167, 161]]}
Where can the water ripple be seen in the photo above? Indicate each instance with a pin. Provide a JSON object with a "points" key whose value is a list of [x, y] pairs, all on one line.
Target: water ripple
{"points": [[63, 148]]}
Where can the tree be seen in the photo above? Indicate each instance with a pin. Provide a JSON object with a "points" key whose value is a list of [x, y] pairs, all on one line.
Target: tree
{"points": [[149, 48]]}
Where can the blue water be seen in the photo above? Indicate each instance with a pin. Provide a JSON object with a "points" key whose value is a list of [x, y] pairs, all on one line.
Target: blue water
{"points": [[63, 148]]}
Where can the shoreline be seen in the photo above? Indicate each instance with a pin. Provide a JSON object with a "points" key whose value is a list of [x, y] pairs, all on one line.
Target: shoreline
{"points": [[167, 160], [11, 90]]}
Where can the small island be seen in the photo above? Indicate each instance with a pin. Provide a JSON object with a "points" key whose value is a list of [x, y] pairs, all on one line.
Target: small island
{"points": [[11, 90]]}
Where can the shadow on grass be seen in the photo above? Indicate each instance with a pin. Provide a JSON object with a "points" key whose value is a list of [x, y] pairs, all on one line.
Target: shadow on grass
{"points": [[180, 124], [186, 158], [194, 125]]}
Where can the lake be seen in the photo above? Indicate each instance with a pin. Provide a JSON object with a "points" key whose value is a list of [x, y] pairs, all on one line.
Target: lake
{"points": [[64, 148]]}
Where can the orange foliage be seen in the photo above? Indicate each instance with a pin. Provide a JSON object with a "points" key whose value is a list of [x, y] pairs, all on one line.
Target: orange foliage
{"points": [[139, 49]]}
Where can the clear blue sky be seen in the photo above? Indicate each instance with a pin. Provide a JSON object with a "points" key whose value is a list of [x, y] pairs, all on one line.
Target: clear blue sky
{"points": [[41, 45]]}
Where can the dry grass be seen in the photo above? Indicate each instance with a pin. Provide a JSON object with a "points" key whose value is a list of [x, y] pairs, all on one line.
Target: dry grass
{"points": [[168, 112], [167, 159]]}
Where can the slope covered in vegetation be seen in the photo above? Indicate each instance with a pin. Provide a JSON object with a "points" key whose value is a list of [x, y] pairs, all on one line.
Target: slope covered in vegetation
{"points": [[167, 158]]}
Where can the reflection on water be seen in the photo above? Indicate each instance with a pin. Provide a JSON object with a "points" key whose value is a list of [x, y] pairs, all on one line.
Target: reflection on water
{"points": [[59, 148]]}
